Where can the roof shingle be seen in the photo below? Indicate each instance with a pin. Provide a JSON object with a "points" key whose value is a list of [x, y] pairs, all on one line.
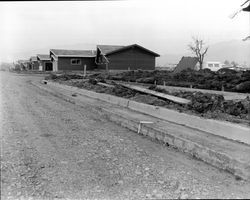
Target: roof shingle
{"points": [[43, 57], [33, 58], [73, 53], [105, 49], [186, 63], [110, 49]]}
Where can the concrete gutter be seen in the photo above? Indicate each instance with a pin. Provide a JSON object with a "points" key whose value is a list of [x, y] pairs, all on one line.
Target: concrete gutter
{"points": [[222, 153], [228, 130], [216, 156]]}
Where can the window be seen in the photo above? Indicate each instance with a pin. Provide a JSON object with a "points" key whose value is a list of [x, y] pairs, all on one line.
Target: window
{"points": [[210, 65], [75, 61], [216, 65]]}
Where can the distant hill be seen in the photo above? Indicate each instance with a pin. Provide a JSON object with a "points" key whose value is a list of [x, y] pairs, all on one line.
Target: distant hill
{"points": [[5, 65], [168, 60], [234, 50]]}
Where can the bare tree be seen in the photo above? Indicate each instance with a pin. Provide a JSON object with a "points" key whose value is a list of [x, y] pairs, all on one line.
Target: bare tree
{"points": [[197, 47]]}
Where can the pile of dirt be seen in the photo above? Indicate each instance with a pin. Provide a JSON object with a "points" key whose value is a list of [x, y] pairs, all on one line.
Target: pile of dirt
{"points": [[224, 79], [149, 100], [63, 77], [121, 91], [202, 104], [206, 103]]}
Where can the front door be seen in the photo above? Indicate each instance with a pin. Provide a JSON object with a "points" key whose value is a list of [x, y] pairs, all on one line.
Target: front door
{"points": [[48, 66]]}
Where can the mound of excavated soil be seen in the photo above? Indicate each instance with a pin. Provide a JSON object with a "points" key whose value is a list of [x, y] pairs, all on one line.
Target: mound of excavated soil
{"points": [[202, 104], [226, 79]]}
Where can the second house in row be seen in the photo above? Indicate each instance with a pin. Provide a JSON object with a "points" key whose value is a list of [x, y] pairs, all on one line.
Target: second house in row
{"points": [[67, 60]]}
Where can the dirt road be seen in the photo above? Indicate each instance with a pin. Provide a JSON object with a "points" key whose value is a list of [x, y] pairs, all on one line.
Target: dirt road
{"points": [[52, 149]]}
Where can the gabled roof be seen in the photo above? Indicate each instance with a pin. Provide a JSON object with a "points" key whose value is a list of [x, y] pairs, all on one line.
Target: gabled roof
{"points": [[43, 57], [33, 58], [73, 53], [22, 61], [186, 63], [110, 49], [105, 49]]}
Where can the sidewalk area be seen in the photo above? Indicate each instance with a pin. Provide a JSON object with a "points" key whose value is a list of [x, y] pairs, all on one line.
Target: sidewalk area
{"points": [[223, 153], [227, 95]]}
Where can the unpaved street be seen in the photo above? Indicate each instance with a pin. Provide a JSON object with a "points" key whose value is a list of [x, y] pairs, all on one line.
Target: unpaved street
{"points": [[53, 149]]}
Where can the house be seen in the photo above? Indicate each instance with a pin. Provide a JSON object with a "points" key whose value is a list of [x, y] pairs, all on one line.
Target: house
{"points": [[213, 66], [187, 63], [34, 65], [23, 64], [132, 57], [64, 60], [45, 63]]}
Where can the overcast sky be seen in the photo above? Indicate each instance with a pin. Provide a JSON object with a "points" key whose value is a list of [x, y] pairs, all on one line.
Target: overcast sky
{"points": [[162, 26]]}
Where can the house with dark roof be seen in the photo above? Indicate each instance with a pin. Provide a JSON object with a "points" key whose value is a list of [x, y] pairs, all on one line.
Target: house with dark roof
{"points": [[131, 57], [72, 60], [187, 63], [34, 65], [44, 62]]}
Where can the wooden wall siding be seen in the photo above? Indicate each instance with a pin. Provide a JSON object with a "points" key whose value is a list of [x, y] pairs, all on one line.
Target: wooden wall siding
{"points": [[41, 63], [65, 64], [35, 65], [133, 58], [55, 64]]}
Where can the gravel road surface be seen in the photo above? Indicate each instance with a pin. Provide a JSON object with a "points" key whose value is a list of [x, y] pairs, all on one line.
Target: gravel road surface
{"points": [[53, 149]]}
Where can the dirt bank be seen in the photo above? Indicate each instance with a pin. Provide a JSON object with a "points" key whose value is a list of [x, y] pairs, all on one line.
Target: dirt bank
{"points": [[205, 105], [224, 79]]}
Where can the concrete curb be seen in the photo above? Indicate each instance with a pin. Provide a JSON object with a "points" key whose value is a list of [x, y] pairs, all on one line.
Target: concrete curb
{"points": [[210, 156], [224, 129], [215, 158]]}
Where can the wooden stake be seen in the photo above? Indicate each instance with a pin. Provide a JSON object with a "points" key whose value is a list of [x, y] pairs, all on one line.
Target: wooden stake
{"points": [[84, 71]]}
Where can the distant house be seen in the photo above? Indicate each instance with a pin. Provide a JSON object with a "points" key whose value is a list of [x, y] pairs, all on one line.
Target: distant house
{"points": [[34, 65], [67, 60], [23, 64], [45, 63], [213, 66], [132, 57], [187, 63], [236, 68]]}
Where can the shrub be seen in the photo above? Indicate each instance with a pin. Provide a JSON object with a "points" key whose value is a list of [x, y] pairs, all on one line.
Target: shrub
{"points": [[243, 87], [226, 70]]}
